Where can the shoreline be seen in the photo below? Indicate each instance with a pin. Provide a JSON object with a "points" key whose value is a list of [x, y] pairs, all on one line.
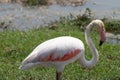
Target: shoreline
{"points": [[16, 16]]}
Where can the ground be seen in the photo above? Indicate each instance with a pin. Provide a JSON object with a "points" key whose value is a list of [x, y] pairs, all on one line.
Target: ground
{"points": [[61, 2], [67, 2]]}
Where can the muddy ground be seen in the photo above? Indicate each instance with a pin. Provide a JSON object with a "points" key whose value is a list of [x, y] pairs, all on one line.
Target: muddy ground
{"points": [[67, 2], [50, 2]]}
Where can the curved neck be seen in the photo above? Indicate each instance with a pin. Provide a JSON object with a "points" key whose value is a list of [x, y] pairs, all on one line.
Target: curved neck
{"points": [[95, 55]]}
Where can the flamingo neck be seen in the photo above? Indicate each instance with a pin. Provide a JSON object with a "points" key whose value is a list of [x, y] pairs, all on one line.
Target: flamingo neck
{"points": [[95, 55]]}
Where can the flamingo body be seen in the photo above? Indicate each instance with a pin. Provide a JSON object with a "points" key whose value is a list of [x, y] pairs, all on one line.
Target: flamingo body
{"points": [[56, 52], [61, 51]]}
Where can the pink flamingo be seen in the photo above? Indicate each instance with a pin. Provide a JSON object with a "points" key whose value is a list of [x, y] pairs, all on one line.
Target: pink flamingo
{"points": [[60, 51]]}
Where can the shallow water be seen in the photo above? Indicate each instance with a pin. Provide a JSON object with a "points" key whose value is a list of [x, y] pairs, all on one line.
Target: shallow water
{"points": [[22, 18], [113, 38]]}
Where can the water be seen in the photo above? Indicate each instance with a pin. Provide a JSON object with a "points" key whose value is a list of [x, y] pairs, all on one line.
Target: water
{"points": [[105, 8], [16, 16], [23, 17], [112, 38]]}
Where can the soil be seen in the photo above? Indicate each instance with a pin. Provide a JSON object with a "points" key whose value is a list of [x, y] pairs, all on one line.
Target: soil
{"points": [[67, 2]]}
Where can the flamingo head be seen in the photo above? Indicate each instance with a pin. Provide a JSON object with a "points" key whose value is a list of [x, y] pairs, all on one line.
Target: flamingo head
{"points": [[101, 28]]}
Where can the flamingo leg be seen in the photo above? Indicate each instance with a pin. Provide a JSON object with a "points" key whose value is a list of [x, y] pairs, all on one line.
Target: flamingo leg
{"points": [[58, 75]]}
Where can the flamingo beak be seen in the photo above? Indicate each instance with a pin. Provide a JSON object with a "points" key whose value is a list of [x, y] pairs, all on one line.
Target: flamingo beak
{"points": [[102, 37], [101, 42]]}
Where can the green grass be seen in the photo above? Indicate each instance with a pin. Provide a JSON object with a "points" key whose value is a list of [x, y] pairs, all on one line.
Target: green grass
{"points": [[113, 26], [35, 2], [16, 45]]}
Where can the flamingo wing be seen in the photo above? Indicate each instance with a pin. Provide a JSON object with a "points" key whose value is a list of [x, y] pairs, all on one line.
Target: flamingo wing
{"points": [[52, 55], [54, 50]]}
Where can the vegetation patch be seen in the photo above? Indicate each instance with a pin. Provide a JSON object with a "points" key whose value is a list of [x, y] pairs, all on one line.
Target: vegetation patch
{"points": [[16, 45], [35, 2], [112, 26]]}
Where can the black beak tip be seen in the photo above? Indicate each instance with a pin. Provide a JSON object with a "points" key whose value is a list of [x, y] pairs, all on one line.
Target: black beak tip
{"points": [[101, 42]]}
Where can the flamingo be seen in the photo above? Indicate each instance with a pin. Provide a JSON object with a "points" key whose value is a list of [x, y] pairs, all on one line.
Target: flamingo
{"points": [[60, 51]]}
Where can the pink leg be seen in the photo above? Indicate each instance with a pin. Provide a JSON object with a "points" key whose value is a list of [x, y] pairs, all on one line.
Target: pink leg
{"points": [[58, 75]]}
